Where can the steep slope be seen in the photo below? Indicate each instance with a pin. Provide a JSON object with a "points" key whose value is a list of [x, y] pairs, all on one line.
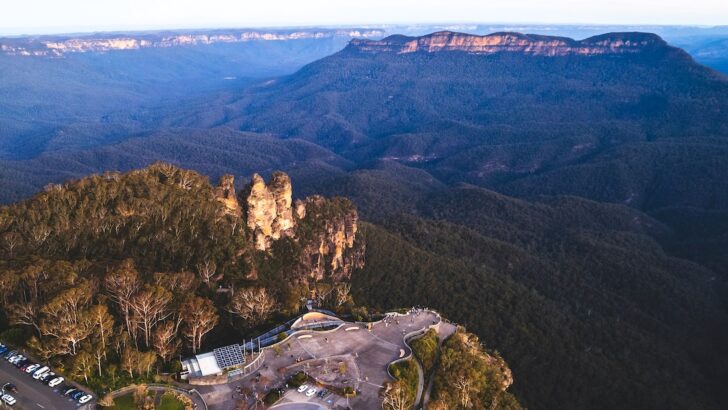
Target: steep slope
{"points": [[578, 295], [369, 92], [185, 221], [213, 152], [620, 117]]}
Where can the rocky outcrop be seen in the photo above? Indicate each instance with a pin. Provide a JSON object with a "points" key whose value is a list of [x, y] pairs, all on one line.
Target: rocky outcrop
{"points": [[225, 194], [324, 231], [613, 43], [59, 45], [329, 236], [268, 209]]}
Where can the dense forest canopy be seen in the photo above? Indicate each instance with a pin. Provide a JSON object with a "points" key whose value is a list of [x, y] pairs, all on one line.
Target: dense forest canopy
{"points": [[111, 277]]}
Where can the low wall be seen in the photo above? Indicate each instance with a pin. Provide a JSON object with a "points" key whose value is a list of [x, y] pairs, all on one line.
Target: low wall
{"points": [[192, 393]]}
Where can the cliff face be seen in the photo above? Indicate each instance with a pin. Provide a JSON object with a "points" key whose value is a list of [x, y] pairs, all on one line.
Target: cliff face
{"points": [[489, 376], [614, 43], [328, 236], [268, 209], [60, 45], [323, 230], [225, 194]]}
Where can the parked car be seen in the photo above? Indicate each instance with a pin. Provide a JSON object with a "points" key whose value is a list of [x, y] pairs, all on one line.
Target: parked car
{"points": [[311, 392], [8, 399], [19, 361], [40, 372], [9, 387], [30, 367], [302, 388], [47, 377], [69, 390], [85, 399], [55, 381], [22, 362], [77, 394], [63, 388]]}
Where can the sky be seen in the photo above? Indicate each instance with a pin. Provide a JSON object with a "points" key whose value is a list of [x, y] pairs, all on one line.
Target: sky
{"points": [[63, 16]]}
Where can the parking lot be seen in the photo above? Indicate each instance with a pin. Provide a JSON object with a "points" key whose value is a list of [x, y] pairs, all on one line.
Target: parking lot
{"points": [[32, 394]]}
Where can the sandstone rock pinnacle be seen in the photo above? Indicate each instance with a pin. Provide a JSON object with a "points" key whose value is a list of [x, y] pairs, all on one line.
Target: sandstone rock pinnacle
{"points": [[269, 213]]}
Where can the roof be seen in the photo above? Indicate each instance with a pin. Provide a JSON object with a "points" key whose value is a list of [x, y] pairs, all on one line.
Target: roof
{"points": [[207, 364]]}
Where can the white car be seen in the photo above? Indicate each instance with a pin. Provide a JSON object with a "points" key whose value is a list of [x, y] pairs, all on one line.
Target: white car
{"points": [[302, 388], [32, 368], [310, 392], [55, 382], [8, 399], [16, 358], [85, 399], [40, 372]]}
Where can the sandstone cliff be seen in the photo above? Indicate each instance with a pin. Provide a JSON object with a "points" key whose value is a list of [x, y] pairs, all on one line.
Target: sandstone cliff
{"points": [[225, 194], [328, 235], [55, 46], [613, 43], [268, 209], [322, 232]]}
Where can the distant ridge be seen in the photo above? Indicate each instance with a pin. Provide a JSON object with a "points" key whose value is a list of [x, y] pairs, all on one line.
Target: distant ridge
{"points": [[610, 43], [58, 45]]}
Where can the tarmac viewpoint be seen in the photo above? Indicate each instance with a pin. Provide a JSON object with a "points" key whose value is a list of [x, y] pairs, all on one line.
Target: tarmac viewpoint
{"points": [[354, 354]]}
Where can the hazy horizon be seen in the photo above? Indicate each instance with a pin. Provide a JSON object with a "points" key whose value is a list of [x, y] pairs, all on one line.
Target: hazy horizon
{"points": [[445, 25], [37, 17]]}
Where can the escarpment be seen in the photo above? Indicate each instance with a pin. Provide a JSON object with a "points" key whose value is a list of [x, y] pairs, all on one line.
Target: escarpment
{"points": [[612, 43], [60, 45]]}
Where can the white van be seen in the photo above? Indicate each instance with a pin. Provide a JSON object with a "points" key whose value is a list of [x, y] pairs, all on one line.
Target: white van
{"points": [[40, 372]]}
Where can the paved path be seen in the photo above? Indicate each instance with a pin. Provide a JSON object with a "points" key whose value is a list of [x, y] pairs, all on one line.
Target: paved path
{"points": [[444, 330], [196, 399], [371, 351], [420, 382]]}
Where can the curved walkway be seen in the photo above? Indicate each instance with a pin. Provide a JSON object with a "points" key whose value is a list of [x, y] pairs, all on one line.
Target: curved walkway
{"points": [[444, 330], [371, 346], [197, 400]]}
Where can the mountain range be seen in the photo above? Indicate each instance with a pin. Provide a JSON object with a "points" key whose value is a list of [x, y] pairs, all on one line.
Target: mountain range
{"points": [[564, 199]]}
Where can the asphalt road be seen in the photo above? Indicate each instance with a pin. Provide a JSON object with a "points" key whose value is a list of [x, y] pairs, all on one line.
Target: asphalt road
{"points": [[33, 395]]}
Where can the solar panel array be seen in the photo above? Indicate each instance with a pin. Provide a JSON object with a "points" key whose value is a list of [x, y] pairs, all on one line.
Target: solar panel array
{"points": [[229, 356]]}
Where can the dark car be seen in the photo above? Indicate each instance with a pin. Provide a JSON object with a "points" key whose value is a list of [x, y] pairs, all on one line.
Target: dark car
{"points": [[22, 363], [47, 377], [63, 388], [9, 387]]}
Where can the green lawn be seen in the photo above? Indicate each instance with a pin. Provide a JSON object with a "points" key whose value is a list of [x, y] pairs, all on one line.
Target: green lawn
{"points": [[169, 402], [124, 403]]}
